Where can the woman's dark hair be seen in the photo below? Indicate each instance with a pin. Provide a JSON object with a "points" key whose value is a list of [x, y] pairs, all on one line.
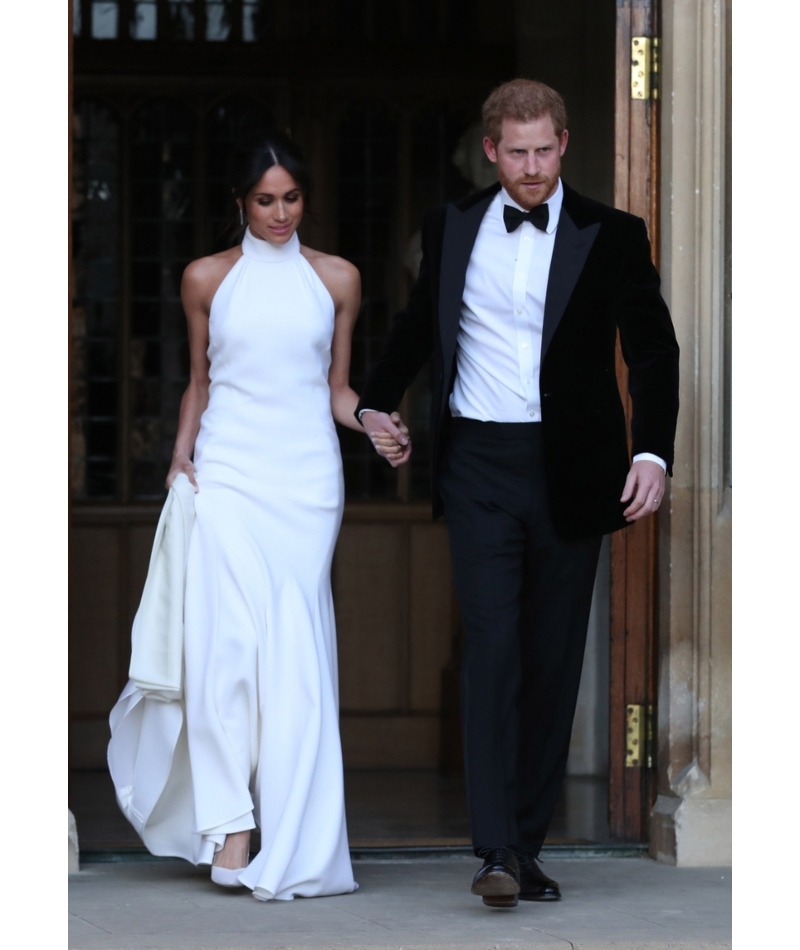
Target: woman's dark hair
{"points": [[257, 155]]}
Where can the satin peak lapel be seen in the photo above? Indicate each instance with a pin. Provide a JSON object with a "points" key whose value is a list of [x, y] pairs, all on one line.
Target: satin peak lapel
{"points": [[571, 248], [460, 231]]}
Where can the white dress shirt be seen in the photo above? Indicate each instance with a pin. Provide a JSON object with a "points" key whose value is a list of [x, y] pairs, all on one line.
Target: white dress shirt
{"points": [[502, 313], [499, 344]]}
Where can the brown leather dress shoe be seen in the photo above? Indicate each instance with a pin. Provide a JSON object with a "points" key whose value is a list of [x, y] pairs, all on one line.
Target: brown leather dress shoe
{"points": [[497, 882], [535, 885]]}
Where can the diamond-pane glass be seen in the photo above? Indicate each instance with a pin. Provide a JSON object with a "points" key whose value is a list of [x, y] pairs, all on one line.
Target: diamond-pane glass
{"points": [[144, 25], [368, 164], [94, 429], [218, 20], [181, 19], [162, 246], [105, 21], [228, 122]]}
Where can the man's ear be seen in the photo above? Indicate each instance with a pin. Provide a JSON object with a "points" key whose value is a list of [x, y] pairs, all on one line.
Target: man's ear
{"points": [[562, 147], [490, 149]]}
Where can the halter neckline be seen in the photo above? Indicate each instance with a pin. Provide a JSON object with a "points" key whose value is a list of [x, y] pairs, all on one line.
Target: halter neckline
{"points": [[269, 253]]}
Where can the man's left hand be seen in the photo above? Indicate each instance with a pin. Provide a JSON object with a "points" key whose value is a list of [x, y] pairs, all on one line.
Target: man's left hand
{"points": [[644, 489]]}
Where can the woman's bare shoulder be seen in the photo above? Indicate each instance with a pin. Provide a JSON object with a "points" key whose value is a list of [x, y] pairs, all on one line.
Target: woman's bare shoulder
{"points": [[202, 278], [335, 269], [211, 269]]}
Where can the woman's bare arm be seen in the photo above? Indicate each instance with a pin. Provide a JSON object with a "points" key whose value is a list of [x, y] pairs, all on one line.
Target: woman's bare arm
{"points": [[200, 282], [343, 283]]}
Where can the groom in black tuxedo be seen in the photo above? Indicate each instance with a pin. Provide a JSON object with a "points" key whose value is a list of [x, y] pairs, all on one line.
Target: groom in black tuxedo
{"points": [[521, 292]]}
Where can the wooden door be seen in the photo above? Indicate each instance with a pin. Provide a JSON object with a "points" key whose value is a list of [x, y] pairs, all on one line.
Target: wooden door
{"points": [[634, 633]]}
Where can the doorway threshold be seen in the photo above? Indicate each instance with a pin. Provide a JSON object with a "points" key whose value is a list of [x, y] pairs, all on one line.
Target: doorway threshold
{"points": [[582, 849], [585, 849], [390, 815]]}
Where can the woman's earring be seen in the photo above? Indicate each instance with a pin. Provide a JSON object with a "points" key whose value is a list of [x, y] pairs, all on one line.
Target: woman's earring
{"points": [[241, 217]]}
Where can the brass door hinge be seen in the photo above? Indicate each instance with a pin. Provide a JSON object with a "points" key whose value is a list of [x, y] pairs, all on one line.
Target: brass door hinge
{"points": [[644, 67], [640, 733]]}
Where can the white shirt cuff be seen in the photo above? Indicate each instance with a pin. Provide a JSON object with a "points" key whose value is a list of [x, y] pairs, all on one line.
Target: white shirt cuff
{"points": [[647, 457]]}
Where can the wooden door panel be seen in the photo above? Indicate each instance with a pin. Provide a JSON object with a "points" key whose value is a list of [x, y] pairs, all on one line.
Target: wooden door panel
{"points": [[369, 592], [95, 594], [633, 646], [391, 582], [390, 742], [109, 554], [431, 619]]}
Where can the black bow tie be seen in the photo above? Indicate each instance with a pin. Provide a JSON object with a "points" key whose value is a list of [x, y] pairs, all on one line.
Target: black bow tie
{"points": [[538, 217]]}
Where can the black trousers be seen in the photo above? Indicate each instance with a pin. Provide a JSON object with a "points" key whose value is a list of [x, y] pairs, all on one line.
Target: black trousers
{"points": [[525, 596]]}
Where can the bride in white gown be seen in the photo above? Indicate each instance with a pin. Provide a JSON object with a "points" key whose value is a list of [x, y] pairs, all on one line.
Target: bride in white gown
{"points": [[254, 743]]}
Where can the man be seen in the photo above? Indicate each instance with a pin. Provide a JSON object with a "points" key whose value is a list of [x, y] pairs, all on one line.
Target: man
{"points": [[521, 291]]}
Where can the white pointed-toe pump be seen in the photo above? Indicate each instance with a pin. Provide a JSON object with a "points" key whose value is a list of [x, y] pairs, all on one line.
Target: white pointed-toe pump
{"points": [[228, 877]]}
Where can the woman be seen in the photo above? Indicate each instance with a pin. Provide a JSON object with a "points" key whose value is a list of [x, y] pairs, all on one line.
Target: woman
{"points": [[270, 325]]}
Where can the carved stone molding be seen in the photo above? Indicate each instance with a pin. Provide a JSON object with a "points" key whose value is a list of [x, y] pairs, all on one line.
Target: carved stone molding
{"points": [[691, 818]]}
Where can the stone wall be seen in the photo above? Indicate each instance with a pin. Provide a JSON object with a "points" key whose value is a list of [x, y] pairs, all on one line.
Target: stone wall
{"points": [[691, 822]]}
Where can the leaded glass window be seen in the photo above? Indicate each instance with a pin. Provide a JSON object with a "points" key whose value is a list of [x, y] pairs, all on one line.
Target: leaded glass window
{"points": [[218, 20], [163, 212], [435, 134], [144, 25], [422, 22], [105, 21], [229, 121], [255, 20], [95, 431], [367, 222], [181, 19], [129, 329]]}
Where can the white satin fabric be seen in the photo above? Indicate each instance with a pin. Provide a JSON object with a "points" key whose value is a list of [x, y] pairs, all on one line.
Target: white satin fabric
{"points": [[156, 665], [255, 740]]}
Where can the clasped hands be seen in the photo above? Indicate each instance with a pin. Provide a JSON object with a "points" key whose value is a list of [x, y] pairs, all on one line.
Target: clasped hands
{"points": [[389, 435]]}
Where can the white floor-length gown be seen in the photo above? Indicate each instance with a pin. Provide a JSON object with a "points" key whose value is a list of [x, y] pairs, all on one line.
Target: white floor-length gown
{"points": [[255, 741]]}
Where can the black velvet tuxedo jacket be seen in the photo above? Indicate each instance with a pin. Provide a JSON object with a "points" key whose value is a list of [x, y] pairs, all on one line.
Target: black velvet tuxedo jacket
{"points": [[601, 280]]}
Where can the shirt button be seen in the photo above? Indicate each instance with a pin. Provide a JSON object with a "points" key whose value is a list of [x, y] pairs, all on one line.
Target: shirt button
{"points": [[526, 239], [531, 414], [519, 311], [524, 346]]}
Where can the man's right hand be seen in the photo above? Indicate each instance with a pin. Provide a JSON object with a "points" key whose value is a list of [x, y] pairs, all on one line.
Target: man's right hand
{"points": [[389, 435]]}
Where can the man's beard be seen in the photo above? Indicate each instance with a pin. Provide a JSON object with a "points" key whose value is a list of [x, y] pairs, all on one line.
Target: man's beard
{"points": [[525, 198]]}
